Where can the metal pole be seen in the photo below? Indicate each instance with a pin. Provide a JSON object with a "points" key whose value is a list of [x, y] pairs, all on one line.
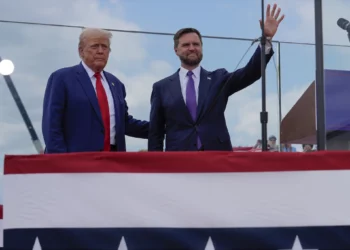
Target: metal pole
{"points": [[22, 110], [263, 113], [279, 90], [320, 99]]}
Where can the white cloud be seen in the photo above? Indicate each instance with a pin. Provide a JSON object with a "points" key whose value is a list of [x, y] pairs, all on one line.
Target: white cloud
{"points": [[248, 126], [140, 85], [139, 89], [299, 24]]}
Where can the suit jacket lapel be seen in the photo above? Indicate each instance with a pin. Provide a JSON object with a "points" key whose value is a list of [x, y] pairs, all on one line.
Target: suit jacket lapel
{"points": [[203, 91], [175, 90], [85, 81]]}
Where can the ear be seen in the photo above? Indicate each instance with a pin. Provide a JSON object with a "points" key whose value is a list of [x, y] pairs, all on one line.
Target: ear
{"points": [[80, 51], [175, 49]]}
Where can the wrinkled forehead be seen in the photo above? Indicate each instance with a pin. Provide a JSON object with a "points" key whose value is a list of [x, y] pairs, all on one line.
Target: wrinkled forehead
{"points": [[189, 38]]}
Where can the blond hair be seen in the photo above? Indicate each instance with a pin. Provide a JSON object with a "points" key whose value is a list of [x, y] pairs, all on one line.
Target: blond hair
{"points": [[88, 32]]}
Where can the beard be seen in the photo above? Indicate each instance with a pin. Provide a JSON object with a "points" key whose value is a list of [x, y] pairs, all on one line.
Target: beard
{"points": [[191, 61]]}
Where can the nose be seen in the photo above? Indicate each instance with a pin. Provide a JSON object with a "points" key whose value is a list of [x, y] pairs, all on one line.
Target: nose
{"points": [[192, 47], [100, 49]]}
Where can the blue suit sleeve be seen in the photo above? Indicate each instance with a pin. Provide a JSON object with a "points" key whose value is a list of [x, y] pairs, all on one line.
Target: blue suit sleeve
{"points": [[157, 122], [53, 115], [133, 127], [247, 75]]}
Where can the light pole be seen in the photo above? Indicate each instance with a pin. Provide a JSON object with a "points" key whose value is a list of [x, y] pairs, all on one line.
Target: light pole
{"points": [[263, 113], [320, 92], [6, 69]]}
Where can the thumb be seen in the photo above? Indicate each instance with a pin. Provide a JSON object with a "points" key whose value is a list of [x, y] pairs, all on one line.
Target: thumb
{"points": [[260, 24]]}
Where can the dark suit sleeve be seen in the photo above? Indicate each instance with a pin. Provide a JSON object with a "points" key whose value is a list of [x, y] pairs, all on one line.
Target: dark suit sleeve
{"points": [[157, 122], [133, 127], [53, 115], [247, 75]]}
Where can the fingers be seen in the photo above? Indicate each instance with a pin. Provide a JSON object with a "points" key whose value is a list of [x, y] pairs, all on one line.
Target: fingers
{"points": [[268, 10], [273, 13], [277, 13], [280, 20], [273, 10]]}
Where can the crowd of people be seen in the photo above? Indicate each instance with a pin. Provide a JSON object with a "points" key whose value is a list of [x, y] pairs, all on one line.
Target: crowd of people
{"points": [[272, 146]]}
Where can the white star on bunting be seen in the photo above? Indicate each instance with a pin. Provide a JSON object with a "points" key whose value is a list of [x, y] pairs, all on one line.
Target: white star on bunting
{"points": [[122, 245], [297, 245], [37, 245], [210, 245]]}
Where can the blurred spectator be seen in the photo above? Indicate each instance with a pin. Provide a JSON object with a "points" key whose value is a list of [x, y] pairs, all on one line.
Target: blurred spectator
{"points": [[307, 147], [258, 144], [288, 148], [272, 144]]}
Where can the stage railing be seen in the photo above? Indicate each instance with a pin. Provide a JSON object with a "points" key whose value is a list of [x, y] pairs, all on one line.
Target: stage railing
{"points": [[200, 200]]}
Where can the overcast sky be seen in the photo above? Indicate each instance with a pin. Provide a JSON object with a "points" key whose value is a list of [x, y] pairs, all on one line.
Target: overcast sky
{"points": [[140, 60]]}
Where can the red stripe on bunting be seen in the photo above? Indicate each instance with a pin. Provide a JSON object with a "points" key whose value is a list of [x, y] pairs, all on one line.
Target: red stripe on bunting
{"points": [[175, 162]]}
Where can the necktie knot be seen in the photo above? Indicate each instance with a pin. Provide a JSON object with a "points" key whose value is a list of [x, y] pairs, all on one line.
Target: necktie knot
{"points": [[189, 73], [97, 75]]}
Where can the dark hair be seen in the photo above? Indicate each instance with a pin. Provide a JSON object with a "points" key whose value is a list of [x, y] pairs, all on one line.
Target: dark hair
{"points": [[184, 31]]}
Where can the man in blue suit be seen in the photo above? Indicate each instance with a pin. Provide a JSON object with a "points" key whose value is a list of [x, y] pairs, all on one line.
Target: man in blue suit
{"points": [[84, 106], [182, 105]]}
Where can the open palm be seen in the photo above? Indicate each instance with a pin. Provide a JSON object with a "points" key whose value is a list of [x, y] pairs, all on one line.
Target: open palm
{"points": [[272, 21]]}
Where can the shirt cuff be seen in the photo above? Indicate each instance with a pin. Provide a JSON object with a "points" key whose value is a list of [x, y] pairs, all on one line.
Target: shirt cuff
{"points": [[268, 46]]}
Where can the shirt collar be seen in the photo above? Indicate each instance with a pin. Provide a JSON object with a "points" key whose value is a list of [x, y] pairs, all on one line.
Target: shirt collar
{"points": [[196, 72], [91, 73]]}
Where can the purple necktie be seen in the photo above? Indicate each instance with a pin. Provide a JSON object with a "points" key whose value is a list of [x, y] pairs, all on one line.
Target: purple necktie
{"points": [[191, 101]]}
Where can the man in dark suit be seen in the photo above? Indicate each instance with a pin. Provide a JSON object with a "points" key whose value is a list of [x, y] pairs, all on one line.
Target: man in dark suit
{"points": [[179, 101], [84, 106]]}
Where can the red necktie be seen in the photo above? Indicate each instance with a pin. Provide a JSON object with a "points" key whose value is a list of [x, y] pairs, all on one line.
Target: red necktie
{"points": [[104, 108]]}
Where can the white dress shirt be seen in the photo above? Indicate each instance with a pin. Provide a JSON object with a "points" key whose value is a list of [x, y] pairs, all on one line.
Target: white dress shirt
{"points": [[197, 74], [109, 99]]}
